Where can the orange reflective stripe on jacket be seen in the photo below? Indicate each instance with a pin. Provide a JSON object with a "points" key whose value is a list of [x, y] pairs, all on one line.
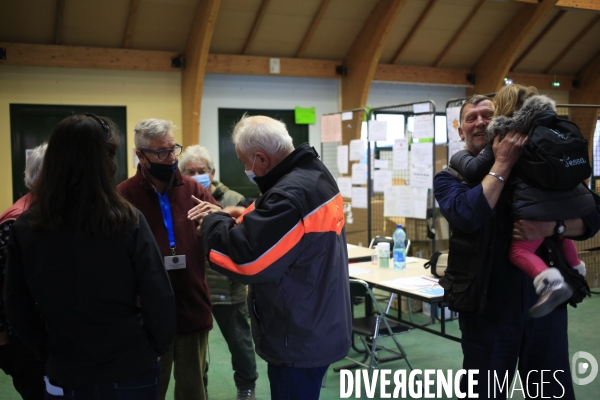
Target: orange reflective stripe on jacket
{"points": [[328, 217]]}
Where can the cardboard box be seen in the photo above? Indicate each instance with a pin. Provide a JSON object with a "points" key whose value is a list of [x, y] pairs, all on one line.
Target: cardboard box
{"points": [[592, 267], [448, 314], [441, 157], [588, 244], [357, 218]]}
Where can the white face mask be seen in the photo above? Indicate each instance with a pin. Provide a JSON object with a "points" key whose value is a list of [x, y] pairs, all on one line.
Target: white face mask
{"points": [[250, 173]]}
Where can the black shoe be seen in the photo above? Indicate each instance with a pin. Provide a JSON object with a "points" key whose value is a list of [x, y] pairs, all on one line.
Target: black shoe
{"points": [[245, 394], [553, 294]]}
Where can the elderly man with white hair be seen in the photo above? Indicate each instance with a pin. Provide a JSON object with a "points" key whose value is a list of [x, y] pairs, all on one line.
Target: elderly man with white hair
{"points": [[16, 359], [290, 246]]}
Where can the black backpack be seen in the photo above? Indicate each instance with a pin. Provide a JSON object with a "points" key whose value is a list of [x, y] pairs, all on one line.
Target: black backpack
{"points": [[555, 156]]}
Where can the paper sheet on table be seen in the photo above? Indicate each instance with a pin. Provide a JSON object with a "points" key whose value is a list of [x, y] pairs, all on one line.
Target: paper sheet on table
{"points": [[352, 270], [414, 283], [432, 291], [424, 127], [331, 128], [357, 150], [342, 159], [382, 178], [345, 186], [359, 174], [452, 122], [421, 169], [377, 130], [359, 197], [400, 154], [405, 201], [346, 115]]}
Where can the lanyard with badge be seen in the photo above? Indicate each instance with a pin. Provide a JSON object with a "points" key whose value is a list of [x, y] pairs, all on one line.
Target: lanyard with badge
{"points": [[174, 261]]}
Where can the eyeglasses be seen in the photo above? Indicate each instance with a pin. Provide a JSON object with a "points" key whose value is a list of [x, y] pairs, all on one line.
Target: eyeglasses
{"points": [[105, 127], [164, 154]]}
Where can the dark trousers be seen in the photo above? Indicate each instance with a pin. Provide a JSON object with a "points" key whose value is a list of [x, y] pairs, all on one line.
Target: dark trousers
{"points": [[295, 383], [235, 327], [142, 387], [25, 369], [536, 344]]}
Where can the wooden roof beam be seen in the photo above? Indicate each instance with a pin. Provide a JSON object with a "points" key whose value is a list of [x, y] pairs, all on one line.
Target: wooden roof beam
{"points": [[496, 60], [312, 28], [131, 16], [58, 22], [411, 35], [459, 32], [259, 16], [572, 43], [192, 78], [538, 38], [593, 5], [362, 59]]}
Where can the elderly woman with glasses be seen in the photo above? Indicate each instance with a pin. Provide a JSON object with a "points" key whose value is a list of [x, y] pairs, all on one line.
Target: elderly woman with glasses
{"points": [[86, 288]]}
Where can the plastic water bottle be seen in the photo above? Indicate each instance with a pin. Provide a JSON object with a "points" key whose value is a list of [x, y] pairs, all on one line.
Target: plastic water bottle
{"points": [[399, 248]]}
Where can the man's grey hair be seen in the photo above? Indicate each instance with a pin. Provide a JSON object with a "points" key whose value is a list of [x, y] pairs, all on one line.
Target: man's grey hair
{"points": [[149, 129], [196, 153], [33, 164], [260, 133]]}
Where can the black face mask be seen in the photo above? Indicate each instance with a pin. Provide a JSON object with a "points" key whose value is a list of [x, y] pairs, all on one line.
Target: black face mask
{"points": [[163, 172]]}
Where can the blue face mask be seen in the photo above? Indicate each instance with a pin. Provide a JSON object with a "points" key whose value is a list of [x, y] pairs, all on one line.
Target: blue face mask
{"points": [[203, 179], [250, 173]]}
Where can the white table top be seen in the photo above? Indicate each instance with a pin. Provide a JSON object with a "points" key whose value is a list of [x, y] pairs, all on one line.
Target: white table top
{"points": [[414, 281]]}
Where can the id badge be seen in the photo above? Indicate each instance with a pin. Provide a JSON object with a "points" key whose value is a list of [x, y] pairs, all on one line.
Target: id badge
{"points": [[175, 262], [53, 390]]}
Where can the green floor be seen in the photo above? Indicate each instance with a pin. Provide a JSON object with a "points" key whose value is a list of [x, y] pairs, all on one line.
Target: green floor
{"points": [[424, 349]]}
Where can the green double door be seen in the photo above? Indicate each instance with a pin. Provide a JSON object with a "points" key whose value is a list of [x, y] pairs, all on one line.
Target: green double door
{"points": [[231, 169], [32, 124]]}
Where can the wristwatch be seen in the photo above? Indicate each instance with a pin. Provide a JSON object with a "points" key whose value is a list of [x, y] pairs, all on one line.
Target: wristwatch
{"points": [[560, 228]]}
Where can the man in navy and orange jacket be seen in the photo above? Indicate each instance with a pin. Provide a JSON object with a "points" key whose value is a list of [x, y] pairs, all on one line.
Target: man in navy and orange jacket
{"points": [[290, 246]]}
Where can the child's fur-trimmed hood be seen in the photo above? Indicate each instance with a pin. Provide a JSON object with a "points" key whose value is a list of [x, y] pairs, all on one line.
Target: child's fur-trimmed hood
{"points": [[521, 119]]}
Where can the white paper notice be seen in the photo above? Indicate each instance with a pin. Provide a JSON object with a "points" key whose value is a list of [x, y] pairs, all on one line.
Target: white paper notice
{"points": [[345, 185], [405, 201], [421, 108], [357, 150], [331, 128], [381, 179], [452, 122], [454, 147], [424, 126], [359, 197], [421, 169], [381, 164], [400, 154], [346, 115], [342, 159], [377, 130], [359, 174]]}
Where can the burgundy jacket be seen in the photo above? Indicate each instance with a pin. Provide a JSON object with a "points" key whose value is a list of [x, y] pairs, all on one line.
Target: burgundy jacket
{"points": [[192, 297]]}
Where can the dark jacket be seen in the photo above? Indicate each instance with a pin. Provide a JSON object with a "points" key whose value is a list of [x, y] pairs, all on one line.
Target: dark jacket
{"points": [[291, 248], [85, 287], [224, 290], [194, 314]]}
